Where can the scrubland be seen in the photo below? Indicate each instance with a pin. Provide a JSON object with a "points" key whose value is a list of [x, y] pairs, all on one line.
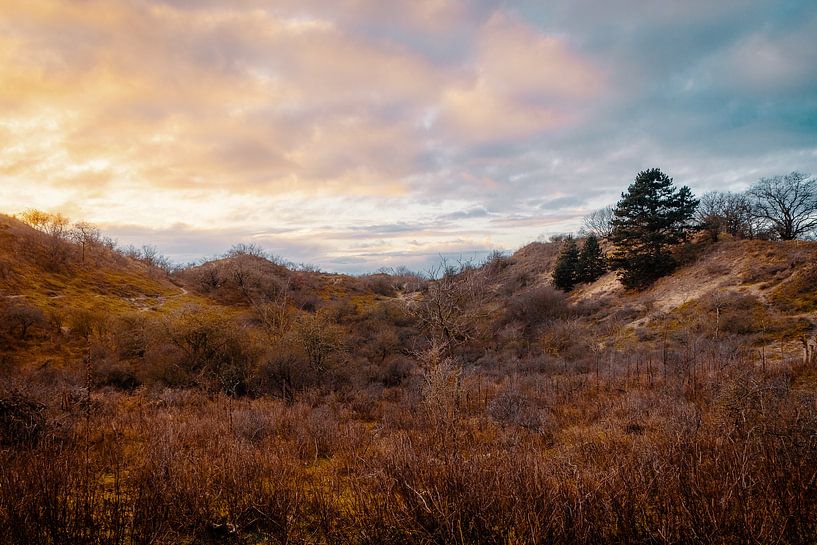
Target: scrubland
{"points": [[246, 401]]}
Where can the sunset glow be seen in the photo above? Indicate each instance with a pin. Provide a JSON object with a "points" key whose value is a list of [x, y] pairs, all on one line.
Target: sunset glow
{"points": [[359, 134]]}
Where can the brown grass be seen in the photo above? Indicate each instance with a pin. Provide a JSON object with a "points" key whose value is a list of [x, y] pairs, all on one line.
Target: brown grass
{"points": [[724, 456]]}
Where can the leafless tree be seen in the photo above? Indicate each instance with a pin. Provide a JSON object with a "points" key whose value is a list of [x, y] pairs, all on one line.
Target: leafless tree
{"points": [[319, 338], [442, 388], [449, 307], [85, 235], [150, 256], [22, 318], [598, 223], [786, 204], [725, 212], [250, 249], [56, 226]]}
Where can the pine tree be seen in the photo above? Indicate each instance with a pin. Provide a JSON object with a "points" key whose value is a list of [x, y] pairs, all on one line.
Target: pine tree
{"points": [[651, 217], [565, 274], [592, 263]]}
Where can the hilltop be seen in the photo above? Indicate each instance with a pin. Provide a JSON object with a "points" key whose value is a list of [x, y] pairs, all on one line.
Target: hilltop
{"points": [[755, 293]]}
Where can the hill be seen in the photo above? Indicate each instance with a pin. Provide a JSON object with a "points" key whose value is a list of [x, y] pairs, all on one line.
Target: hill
{"points": [[763, 290], [46, 286], [754, 293], [243, 400]]}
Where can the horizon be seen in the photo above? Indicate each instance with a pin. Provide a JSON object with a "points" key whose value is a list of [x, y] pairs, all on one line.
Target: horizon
{"points": [[342, 135]]}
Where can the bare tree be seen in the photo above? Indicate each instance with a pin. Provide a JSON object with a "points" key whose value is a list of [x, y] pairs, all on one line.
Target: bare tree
{"points": [[451, 303], [56, 227], [150, 256], [787, 205], [442, 389], [23, 317], [250, 249], [598, 222], [86, 235], [319, 338], [725, 212]]}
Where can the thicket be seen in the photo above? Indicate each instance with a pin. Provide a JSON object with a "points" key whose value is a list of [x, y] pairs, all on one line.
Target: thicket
{"points": [[631, 454]]}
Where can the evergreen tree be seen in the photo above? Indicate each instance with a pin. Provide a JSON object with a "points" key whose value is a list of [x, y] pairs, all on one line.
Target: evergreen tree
{"points": [[651, 217], [592, 263], [565, 274]]}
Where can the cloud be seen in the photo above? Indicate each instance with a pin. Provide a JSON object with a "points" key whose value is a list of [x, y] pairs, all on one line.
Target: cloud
{"points": [[337, 132], [523, 82]]}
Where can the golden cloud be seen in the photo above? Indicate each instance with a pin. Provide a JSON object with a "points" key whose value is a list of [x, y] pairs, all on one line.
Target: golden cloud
{"points": [[523, 82], [161, 113]]}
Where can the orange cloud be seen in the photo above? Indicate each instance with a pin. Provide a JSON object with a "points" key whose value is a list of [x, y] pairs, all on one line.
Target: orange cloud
{"points": [[163, 113], [523, 82]]}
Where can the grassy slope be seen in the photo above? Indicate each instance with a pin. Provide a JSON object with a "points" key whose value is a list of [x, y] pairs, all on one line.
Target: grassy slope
{"points": [[779, 280], [773, 285], [111, 285]]}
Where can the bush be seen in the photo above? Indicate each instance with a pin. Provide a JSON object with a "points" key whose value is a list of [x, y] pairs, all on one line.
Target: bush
{"points": [[567, 339], [396, 370], [537, 305], [85, 323], [118, 375], [381, 284], [737, 313], [20, 318], [132, 334], [513, 406], [211, 349], [284, 372], [22, 420]]}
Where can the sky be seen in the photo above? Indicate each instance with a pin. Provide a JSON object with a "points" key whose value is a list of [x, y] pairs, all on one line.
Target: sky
{"points": [[360, 134]]}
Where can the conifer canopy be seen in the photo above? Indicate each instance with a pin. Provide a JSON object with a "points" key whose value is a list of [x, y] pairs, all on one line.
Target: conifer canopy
{"points": [[565, 274], [651, 217]]}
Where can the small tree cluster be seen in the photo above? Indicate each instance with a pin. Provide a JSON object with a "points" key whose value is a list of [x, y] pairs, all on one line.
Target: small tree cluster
{"points": [[150, 256], [726, 212], [65, 241], [782, 207], [575, 266], [56, 227]]}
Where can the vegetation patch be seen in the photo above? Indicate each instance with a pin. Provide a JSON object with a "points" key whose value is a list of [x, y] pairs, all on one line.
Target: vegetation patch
{"points": [[799, 293]]}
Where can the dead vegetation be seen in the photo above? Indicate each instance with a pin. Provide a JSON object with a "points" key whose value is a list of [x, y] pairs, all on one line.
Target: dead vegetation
{"points": [[242, 401], [627, 457]]}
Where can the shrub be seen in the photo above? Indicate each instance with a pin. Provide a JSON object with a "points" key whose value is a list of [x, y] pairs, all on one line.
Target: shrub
{"points": [[320, 340], [132, 333], [381, 284], [119, 375], [536, 305], [213, 351], [396, 370], [21, 317], [22, 420], [513, 406], [567, 339]]}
